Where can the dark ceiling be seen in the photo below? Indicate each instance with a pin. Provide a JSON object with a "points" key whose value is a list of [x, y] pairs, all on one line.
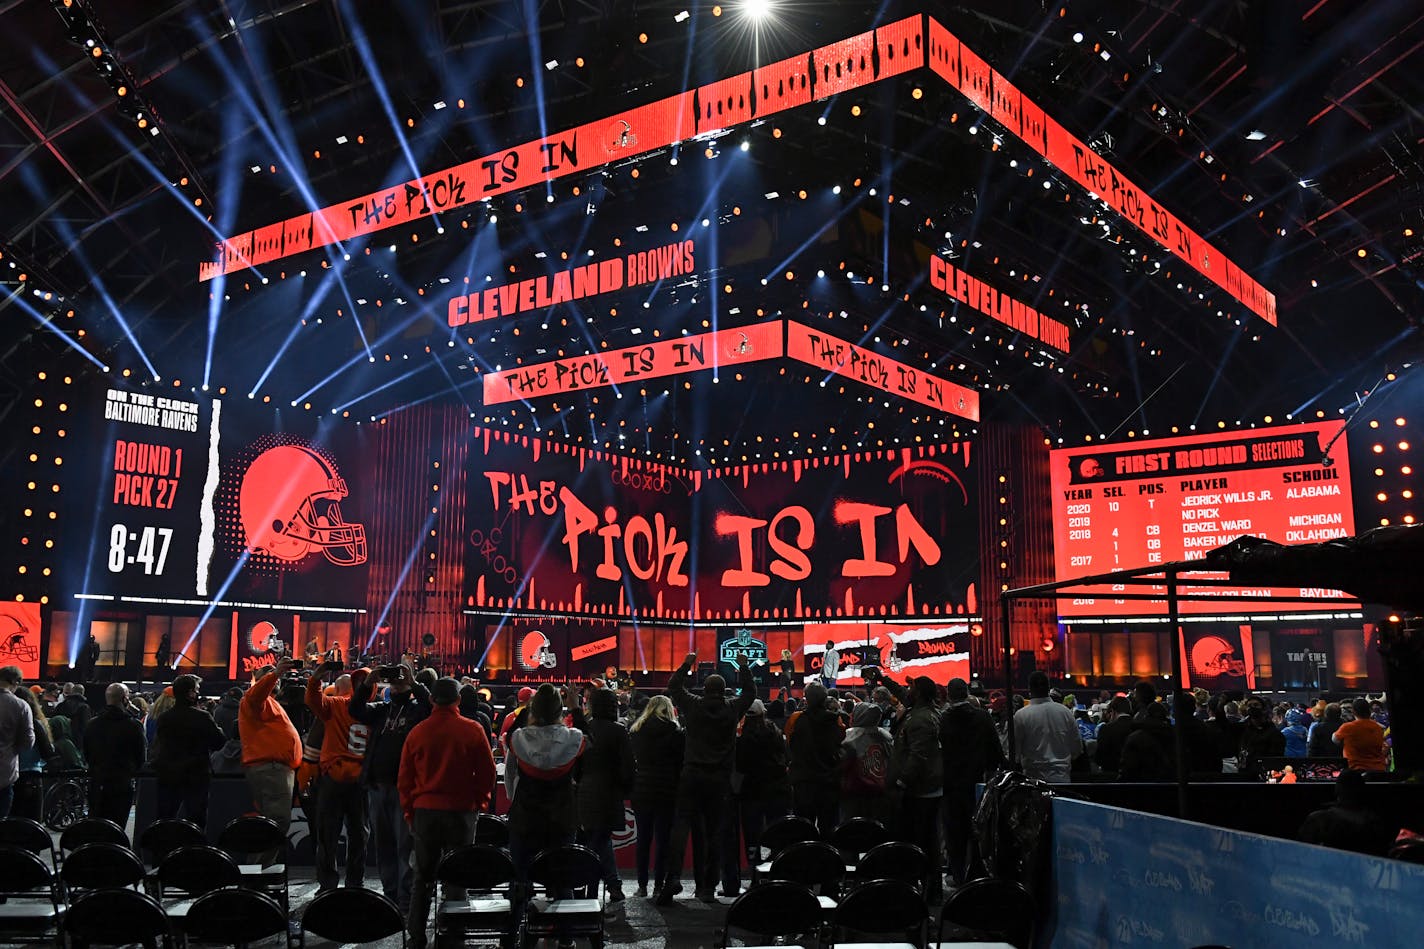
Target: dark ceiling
{"points": [[1286, 133]]}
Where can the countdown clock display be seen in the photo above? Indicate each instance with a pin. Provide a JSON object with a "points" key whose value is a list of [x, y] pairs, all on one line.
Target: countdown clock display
{"points": [[151, 487], [1135, 504]]}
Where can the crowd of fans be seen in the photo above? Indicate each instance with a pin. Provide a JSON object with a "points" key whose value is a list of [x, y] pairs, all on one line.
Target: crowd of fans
{"points": [[405, 759]]}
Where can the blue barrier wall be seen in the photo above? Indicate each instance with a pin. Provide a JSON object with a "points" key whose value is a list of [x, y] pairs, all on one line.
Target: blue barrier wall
{"points": [[1123, 878]]}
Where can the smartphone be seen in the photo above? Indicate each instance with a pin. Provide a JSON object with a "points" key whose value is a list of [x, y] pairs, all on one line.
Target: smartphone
{"points": [[298, 664], [388, 673]]}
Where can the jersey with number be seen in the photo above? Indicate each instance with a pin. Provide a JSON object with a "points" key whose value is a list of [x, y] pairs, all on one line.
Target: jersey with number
{"points": [[344, 743]]}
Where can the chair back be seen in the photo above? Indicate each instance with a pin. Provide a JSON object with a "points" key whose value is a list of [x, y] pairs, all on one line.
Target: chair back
{"points": [[252, 834], [777, 909], [352, 914], [234, 915], [198, 870], [23, 873], [788, 830], [882, 907], [491, 829], [855, 836], [478, 867], [894, 860], [116, 917], [162, 837], [992, 910], [92, 830], [567, 867], [26, 834], [814, 863], [102, 866]]}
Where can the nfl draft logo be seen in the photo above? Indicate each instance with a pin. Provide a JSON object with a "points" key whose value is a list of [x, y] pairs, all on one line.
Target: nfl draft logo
{"points": [[743, 645]]}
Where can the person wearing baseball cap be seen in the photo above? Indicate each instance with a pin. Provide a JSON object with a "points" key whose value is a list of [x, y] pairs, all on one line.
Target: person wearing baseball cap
{"points": [[446, 775], [514, 718]]}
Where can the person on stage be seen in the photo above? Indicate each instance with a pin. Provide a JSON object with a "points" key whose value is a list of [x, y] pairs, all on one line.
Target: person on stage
{"points": [[830, 665], [788, 669], [163, 655]]}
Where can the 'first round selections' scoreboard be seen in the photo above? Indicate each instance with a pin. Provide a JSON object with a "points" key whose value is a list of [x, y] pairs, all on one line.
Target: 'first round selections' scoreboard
{"points": [[1123, 506]]}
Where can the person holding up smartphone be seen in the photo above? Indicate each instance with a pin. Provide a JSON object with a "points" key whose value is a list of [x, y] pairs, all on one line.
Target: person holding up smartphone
{"points": [[390, 723]]}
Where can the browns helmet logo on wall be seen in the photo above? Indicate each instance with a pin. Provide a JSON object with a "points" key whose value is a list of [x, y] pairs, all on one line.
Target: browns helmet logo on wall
{"points": [[289, 507], [536, 652], [20, 637]]}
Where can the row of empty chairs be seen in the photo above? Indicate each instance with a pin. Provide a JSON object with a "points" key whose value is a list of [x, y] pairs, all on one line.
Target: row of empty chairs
{"points": [[863, 882], [36, 911], [478, 896]]}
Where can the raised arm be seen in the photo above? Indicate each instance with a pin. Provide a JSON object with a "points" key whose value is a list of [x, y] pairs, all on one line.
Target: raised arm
{"points": [[677, 685]]}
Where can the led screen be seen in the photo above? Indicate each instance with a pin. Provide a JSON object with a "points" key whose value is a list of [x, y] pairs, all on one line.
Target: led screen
{"points": [[196, 501], [563, 530], [1121, 506]]}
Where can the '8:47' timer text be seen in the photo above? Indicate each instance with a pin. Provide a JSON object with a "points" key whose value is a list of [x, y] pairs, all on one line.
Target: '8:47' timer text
{"points": [[152, 550]]}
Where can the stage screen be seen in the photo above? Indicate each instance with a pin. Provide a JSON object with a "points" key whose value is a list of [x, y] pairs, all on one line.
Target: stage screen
{"points": [[1127, 505], [554, 528], [902, 651], [198, 499]]}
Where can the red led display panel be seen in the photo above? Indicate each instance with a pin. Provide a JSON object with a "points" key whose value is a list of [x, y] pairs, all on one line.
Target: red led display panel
{"points": [[850, 361], [848, 64], [958, 65], [1122, 506], [668, 357]]}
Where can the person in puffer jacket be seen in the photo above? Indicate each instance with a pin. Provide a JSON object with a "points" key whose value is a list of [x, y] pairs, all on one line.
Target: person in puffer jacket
{"points": [[538, 777]]}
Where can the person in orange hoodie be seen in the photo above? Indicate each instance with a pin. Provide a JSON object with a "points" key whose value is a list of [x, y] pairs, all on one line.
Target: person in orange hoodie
{"points": [[340, 799], [446, 775], [271, 749]]}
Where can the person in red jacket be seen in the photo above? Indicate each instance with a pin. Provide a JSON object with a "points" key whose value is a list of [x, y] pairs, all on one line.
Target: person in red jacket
{"points": [[446, 775], [340, 799], [271, 749]]}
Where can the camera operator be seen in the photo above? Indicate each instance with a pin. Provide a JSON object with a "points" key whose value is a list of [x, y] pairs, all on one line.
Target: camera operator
{"points": [[390, 722]]}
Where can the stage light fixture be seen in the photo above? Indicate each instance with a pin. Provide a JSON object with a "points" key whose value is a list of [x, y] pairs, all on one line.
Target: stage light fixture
{"points": [[757, 9], [1077, 37]]}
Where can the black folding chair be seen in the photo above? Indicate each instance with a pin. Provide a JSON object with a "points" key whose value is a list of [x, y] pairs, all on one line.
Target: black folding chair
{"points": [[989, 910], [881, 908], [813, 863], [777, 836], [894, 860], [99, 867], [246, 838], [491, 829], [353, 914], [484, 874], [31, 911], [234, 915], [777, 909], [29, 835], [188, 873], [162, 837], [116, 917], [569, 868], [855, 836], [91, 830]]}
